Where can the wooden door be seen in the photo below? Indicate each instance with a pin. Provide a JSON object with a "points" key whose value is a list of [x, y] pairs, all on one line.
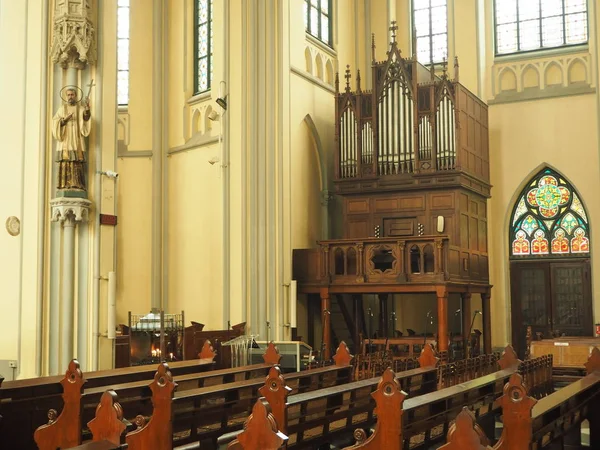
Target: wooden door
{"points": [[531, 306], [571, 298], [550, 296]]}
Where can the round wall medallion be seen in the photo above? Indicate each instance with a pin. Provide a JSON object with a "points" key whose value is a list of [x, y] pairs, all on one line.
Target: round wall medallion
{"points": [[13, 226]]}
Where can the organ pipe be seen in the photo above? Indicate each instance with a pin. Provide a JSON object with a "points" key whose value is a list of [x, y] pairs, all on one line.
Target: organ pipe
{"points": [[395, 110], [348, 144], [446, 139]]}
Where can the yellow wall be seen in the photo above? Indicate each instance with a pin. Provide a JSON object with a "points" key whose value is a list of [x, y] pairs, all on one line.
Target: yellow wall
{"points": [[140, 76], [22, 84], [524, 136], [557, 129], [195, 236]]}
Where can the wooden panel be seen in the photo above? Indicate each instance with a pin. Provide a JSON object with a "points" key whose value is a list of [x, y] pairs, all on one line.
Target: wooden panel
{"points": [[412, 203], [399, 227], [474, 207], [357, 206], [386, 204], [453, 262], [473, 232], [358, 228], [442, 201], [483, 209], [464, 230], [464, 202], [474, 265], [482, 247], [484, 267], [566, 352], [464, 264]]}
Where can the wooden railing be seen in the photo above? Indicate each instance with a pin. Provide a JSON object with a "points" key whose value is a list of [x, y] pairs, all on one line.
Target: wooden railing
{"points": [[374, 260]]}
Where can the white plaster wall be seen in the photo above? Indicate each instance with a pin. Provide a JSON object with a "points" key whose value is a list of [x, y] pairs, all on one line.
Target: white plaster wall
{"points": [[22, 86]]}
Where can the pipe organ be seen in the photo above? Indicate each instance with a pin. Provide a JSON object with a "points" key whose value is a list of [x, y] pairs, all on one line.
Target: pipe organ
{"points": [[411, 169], [406, 124]]}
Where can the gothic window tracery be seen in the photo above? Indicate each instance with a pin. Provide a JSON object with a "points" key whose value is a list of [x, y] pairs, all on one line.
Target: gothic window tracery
{"points": [[549, 219]]}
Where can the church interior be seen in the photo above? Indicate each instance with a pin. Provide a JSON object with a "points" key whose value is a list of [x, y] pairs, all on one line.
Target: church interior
{"points": [[364, 201]]}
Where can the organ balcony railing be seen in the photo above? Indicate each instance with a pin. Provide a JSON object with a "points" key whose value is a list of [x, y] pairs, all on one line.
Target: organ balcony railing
{"points": [[422, 259], [406, 125]]}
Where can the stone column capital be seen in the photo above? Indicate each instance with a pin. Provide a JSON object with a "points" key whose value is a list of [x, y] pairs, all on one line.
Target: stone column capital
{"points": [[70, 209]]}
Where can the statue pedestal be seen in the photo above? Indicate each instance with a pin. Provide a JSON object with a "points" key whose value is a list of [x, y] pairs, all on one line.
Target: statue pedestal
{"points": [[69, 212], [63, 207]]}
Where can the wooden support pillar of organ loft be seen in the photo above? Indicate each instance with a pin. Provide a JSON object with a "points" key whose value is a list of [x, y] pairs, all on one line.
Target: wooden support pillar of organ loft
{"points": [[487, 322], [383, 315], [358, 318], [442, 318], [465, 309], [326, 323]]}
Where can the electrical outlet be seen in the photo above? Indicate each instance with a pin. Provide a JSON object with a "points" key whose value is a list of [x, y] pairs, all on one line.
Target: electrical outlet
{"points": [[12, 364]]}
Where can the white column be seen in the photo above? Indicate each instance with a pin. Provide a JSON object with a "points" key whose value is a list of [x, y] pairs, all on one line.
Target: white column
{"points": [[69, 212], [66, 299], [157, 153]]}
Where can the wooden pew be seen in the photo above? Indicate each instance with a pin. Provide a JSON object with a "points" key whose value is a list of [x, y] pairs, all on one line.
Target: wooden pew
{"points": [[551, 422], [197, 419], [329, 415], [135, 397], [231, 393], [321, 418], [25, 404], [260, 431]]}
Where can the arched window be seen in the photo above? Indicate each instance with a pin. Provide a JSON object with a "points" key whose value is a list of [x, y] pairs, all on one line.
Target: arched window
{"points": [[203, 45], [317, 19], [430, 19], [549, 220]]}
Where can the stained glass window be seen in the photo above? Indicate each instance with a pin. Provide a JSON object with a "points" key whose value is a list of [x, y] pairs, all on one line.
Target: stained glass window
{"points": [[525, 25], [430, 18], [549, 219], [123, 52], [317, 19], [203, 45]]}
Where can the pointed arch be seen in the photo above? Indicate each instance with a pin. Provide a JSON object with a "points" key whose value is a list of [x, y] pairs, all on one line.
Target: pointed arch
{"points": [[308, 60], [196, 122], [548, 218], [319, 67], [323, 174], [208, 123]]}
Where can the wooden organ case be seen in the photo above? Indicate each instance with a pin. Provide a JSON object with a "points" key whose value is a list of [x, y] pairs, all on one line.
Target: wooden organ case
{"points": [[412, 168]]}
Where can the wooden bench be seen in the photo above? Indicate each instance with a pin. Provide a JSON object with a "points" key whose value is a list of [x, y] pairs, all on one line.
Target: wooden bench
{"points": [[333, 420], [135, 397], [553, 422], [189, 406], [25, 404], [527, 421]]}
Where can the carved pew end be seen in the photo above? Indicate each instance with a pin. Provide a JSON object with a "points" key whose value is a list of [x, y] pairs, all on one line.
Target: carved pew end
{"points": [[260, 431]]}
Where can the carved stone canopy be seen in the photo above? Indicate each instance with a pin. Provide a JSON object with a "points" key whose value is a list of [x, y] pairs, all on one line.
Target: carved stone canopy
{"points": [[74, 34]]}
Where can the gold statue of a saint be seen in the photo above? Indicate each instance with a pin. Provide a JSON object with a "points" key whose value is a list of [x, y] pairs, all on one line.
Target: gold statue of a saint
{"points": [[70, 126]]}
